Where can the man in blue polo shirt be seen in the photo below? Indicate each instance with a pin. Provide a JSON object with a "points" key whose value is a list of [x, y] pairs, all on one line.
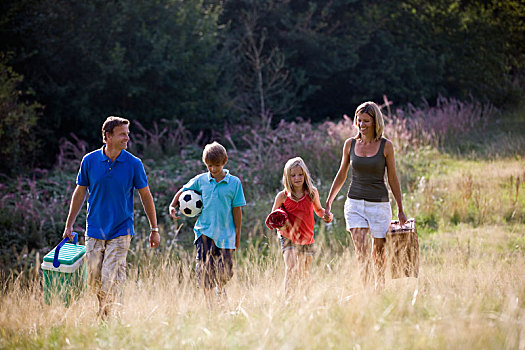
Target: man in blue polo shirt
{"points": [[110, 175], [218, 228]]}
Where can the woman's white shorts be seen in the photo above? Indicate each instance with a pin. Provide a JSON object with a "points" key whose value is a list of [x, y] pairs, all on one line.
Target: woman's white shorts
{"points": [[363, 214]]}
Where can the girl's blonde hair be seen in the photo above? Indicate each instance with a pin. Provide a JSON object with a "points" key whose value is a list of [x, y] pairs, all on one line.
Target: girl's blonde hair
{"points": [[308, 186], [374, 111]]}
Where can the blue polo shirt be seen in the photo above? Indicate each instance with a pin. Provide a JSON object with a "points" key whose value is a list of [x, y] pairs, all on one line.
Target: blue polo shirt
{"points": [[110, 186], [218, 200]]}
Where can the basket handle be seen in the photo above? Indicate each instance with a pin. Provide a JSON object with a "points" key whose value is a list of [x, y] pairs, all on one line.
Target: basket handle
{"points": [[56, 262]]}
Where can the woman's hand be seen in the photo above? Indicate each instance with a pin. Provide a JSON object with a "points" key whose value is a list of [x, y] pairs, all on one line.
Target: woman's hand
{"points": [[328, 216], [402, 217]]}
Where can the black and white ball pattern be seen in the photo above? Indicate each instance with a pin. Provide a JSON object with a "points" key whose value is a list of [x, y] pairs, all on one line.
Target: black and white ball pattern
{"points": [[190, 203]]}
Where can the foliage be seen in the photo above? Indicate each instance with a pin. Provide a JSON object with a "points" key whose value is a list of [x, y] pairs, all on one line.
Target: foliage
{"points": [[32, 215], [350, 51], [262, 83], [18, 119], [439, 190], [147, 61], [206, 63], [440, 124]]}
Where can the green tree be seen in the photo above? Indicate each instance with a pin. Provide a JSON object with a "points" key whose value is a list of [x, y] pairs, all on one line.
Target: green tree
{"points": [[348, 51], [146, 60], [18, 118], [305, 37], [261, 81]]}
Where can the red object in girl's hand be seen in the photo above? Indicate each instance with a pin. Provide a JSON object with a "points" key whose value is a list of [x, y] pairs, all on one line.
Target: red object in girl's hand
{"points": [[276, 219]]}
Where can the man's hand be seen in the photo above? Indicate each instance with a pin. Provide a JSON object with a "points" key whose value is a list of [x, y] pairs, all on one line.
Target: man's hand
{"points": [[68, 232], [154, 239]]}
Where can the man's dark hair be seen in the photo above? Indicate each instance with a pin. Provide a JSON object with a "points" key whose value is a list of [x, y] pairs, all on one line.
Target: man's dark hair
{"points": [[111, 123]]}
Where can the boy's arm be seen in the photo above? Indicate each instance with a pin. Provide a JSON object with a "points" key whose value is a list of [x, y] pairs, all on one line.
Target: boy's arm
{"points": [[174, 204], [237, 220]]}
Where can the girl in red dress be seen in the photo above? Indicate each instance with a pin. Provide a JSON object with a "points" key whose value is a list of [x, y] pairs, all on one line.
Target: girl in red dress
{"points": [[299, 200]]}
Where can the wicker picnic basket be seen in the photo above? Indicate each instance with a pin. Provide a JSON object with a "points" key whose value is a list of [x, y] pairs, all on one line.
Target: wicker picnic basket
{"points": [[403, 249]]}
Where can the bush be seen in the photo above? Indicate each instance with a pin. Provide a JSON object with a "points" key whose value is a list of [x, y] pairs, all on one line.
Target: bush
{"points": [[18, 118]]}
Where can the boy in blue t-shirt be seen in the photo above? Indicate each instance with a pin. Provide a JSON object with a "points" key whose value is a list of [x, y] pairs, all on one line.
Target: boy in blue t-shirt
{"points": [[218, 228]]}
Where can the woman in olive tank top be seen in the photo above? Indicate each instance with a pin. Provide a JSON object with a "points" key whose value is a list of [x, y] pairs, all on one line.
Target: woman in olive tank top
{"points": [[367, 208]]}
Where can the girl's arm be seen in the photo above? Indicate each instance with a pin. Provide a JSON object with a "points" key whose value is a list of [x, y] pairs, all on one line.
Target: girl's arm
{"points": [[318, 208], [340, 178], [279, 200], [393, 181]]}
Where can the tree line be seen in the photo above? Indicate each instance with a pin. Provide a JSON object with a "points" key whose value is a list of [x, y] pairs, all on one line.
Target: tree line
{"points": [[65, 66]]}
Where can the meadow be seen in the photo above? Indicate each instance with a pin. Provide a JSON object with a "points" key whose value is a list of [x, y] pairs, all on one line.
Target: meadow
{"points": [[462, 171]]}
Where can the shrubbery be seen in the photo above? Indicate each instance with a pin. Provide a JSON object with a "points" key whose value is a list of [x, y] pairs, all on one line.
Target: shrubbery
{"points": [[207, 62], [33, 209]]}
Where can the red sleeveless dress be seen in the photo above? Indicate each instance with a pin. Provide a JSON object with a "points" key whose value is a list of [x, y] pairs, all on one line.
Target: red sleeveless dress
{"points": [[301, 218]]}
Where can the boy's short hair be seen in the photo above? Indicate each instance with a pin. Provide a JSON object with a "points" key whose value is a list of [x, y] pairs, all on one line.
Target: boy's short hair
{"points": [[214, 153], [111, 123]]}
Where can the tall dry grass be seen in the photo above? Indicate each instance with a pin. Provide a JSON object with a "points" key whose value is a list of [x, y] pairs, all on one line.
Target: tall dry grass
{"points": [[472, 192], [470, 294]]}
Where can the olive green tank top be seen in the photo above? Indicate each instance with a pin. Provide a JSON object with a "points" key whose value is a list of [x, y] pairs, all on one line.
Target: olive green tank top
{"points": [[368, 175]]}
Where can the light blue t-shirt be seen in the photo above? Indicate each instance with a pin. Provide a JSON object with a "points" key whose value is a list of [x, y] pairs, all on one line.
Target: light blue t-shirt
{"points": [[110, 186], [218, 200]]}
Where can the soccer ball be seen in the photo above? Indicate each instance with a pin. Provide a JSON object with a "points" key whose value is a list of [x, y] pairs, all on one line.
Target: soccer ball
{"points": [[190, 203]]}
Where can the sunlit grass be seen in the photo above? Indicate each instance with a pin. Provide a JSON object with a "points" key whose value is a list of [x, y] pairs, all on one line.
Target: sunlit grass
{"points": [[470, 294], [471, 191]]}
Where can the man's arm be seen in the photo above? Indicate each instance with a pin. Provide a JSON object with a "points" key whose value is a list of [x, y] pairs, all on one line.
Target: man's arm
{"points": [[79, 195], [149, 207], [237, 220]]}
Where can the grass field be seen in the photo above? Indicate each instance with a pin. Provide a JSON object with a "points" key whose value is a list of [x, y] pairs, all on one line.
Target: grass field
{"points": [[467, 195], [470, 293]]}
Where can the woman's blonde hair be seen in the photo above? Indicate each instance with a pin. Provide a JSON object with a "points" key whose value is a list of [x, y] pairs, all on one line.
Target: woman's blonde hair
{"points": [[307, 186], [374, 111]]}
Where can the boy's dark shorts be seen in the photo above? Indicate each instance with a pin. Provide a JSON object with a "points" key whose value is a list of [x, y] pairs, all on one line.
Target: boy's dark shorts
{"points": [[214, 265], [306, 249]]}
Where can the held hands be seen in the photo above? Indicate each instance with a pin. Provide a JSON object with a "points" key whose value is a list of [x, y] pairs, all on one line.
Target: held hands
{"points": [[328, 216]]}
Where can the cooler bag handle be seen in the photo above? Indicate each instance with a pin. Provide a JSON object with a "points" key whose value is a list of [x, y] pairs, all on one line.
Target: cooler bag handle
{"points": [[56, 262]]}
